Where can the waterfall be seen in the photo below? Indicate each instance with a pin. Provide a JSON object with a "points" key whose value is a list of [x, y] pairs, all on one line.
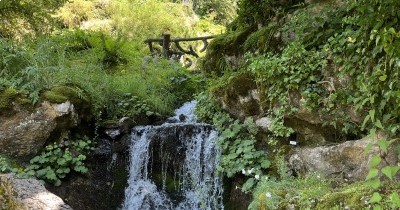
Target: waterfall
{"points": [[173, 166]]}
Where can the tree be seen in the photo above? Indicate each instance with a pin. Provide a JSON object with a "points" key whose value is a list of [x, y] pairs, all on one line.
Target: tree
{"points": [[222, 11], [18, 17]]}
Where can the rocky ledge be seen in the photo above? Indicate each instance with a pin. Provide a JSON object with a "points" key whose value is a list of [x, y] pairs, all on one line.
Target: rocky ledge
{"points": [[27, 194]]}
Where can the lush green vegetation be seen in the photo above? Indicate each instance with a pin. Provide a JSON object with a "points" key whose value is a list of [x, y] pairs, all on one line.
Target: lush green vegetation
{"points": [[58, 160], [339, 58], [91, 53]]}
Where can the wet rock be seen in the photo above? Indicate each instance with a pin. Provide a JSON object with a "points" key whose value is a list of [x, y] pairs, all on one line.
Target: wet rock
{"points": [[346, 160], [102, 187], [172, 120], [25, 133], [27, 194], [125, 125], [182, 117], [113, 133]]}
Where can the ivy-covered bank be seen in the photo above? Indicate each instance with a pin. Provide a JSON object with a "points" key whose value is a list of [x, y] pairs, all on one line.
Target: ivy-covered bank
{"points": [[301, 74]]}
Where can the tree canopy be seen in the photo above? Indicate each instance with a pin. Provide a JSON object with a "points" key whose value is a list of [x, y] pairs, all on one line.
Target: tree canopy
{"points": [[21, 16]]}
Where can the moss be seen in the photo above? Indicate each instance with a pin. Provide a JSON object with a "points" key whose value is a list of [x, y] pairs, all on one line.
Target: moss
{"points": [[6, 97], [7, 199], [9, 97], [314, 193], [75, 95], [262, 40], [54, 97], [171, 185], [109, 123], [351, 196], [229, 44]]}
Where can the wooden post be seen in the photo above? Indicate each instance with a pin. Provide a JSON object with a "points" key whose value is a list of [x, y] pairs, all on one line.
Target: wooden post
{"points": [[166, 43]]}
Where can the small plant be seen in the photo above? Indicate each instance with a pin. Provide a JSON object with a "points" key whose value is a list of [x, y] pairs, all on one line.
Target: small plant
{"points": [[130, 105], [58, 160], [7, 165]]}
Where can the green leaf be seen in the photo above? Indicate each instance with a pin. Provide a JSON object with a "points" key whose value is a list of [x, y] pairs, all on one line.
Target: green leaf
{"points": [[378, 124], [368, 148], [383, 77], [61, 161], [81, 169], [375, 183], [372, 173], [376, 197], [395, 199], [248, 185], [50, 175], [390, 171], [57, 183], [372, 133], [372, 114], [265, 163], [375, 161], [384, 144], [365, 121]]}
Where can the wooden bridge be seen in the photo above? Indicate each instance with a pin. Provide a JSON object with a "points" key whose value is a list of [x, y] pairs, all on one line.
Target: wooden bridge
{"points": [[166, 41]]}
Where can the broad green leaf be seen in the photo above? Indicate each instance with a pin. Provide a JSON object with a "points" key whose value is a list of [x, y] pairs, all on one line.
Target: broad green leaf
{"points": [[372, 173], [376, 197], [384, 144], [375, 183], [265, 163], [390, 171], [375, 161], [395, 199], [248, 185]]}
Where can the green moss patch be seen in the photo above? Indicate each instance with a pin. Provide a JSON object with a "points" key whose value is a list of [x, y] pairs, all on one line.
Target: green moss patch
{"points": [[262, 40], [316, 193], [229, 44], [6, 97], [61, 94], [7, 199]]}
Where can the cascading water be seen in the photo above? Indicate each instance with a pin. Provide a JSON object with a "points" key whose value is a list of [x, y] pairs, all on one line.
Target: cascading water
{"points": [[173, 166]]}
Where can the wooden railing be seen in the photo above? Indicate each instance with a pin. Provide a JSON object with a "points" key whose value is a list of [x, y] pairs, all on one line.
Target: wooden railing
{"points": [[166, 41]]}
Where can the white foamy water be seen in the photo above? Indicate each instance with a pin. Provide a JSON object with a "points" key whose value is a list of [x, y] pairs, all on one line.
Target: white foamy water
{"points": [[187, 158]]}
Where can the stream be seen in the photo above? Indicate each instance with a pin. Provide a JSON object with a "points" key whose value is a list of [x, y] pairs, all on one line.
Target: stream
{"points": [[173, 166]]}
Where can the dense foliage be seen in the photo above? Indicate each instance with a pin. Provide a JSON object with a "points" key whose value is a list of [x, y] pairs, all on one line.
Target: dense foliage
{"points": [[19, 17], [339, 60], [91, 53], [58, 160]]}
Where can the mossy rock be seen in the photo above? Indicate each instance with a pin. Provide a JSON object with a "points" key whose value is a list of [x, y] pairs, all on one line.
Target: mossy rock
{"points": [[229, 44], [239, 85], [7, 199], [6, 97], [263, 40], [75, 95]]}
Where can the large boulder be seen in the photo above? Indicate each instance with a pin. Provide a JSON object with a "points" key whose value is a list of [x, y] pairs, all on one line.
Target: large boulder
{"points": [[27, 194], [24, 133], [240, 97], [346, 160]]}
